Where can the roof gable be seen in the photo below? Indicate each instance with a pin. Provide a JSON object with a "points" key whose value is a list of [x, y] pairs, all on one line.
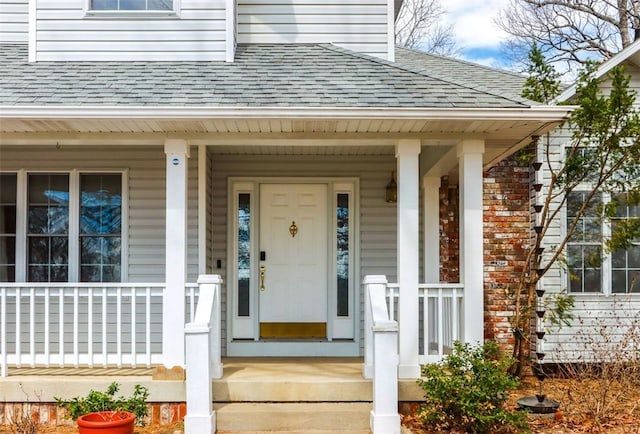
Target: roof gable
{"points": [[629, 54]]}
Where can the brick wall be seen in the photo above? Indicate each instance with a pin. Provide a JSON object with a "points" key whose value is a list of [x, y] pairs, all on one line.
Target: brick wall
{"points": [[449, 232], [45, 413], [507, 231]]}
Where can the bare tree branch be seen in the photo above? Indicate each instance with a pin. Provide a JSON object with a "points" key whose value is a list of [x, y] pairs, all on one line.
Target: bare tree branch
{"points": [[570, 32], [419, 25]]}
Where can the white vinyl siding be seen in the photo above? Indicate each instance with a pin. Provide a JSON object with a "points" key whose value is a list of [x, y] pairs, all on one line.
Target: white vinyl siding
{"points": [[377, 219], [353, 24], [609, 314], [146, 181], [66, 32], [14, 17], [600, 324]]}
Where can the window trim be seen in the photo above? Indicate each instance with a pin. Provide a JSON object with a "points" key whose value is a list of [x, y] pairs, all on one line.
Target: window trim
{"points": [[22, 176]]}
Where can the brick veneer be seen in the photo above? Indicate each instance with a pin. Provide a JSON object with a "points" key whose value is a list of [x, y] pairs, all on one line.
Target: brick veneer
{"points": [[45, 413], [507, 234], [507, 231]]}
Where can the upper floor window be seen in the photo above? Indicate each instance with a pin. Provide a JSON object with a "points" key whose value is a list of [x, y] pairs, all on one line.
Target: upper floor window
{"points": [[590, 268], [132, 5], [72, 228]]}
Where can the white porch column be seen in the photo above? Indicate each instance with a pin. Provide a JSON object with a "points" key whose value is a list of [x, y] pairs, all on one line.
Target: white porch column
{"points": [[471, 246], [407, 152], [431, 212], [202, 209], [177, 152]]}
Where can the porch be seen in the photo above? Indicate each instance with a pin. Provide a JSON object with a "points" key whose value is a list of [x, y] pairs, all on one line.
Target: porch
{"points": [[273, 394], [91, 335], [81, 325]]}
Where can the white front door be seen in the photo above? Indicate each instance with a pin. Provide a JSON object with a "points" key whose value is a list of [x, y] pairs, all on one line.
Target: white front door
{"points": [[293, 261]]}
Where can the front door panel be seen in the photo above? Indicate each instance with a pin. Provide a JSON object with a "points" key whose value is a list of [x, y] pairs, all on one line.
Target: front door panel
{"points": [[293, 237]]}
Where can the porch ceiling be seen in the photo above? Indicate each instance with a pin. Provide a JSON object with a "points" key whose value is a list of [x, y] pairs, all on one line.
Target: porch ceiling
{"points": [[337, 134]]}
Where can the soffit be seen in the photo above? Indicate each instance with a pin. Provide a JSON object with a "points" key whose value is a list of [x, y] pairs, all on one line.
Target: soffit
{"points": [[214, 129]]}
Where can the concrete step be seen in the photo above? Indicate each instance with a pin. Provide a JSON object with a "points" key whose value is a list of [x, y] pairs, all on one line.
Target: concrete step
{"points": [[312, 418], [292, 380]]}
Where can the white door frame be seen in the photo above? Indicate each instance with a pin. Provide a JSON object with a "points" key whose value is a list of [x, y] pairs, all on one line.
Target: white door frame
{"points": [[343, 333]]}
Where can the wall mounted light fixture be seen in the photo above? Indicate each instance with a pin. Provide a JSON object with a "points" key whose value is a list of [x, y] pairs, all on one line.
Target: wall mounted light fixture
{"points": [[391, 192]]}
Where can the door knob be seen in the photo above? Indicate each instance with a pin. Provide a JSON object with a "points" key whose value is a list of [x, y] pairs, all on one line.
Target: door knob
{"points": [[262, 273]]}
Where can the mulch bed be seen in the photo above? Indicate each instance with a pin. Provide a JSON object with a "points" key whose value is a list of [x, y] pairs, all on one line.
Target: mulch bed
{"points": [[578, 404]]}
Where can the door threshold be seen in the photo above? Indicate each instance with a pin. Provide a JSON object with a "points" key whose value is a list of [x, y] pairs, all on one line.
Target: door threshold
{"points": [[293, 348]]}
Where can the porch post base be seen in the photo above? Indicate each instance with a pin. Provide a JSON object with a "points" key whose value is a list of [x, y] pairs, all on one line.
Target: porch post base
{"points": [[216, 370], [409, 371], [200, 424], [384, 423], [367, 371]]}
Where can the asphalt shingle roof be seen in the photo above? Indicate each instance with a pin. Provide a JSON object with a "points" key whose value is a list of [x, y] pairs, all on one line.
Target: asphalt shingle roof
{"points": [[479, 77], [263, 75]]}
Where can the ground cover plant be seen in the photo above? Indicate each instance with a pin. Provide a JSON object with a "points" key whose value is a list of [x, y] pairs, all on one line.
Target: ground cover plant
{"points": [[467, 391], [97, 401]]}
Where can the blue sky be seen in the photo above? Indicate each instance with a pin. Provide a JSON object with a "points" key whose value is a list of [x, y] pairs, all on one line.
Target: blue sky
{"points": [[474, 29]]}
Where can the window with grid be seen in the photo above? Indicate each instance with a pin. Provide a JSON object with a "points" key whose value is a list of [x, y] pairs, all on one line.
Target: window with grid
{"points": [[100, 227], [48, 233], [584, 248], [132, 5], [590, 268], [48, 228], [625, 263], [8, 206]]}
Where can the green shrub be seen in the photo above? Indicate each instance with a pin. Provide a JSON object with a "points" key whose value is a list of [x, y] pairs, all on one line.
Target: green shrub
{"points": [[106, 401], [467, 390]]}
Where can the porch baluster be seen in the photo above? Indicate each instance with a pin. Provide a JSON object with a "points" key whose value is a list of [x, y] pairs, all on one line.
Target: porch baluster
{"points": [[18, 335], [119, 327], [147, 325], [32, 327], [76, 327], [133, 327], [104, 327], [90, 326]]}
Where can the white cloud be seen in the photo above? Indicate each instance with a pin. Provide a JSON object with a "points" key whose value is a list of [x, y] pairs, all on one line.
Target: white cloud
{"points": [[473, 22]]}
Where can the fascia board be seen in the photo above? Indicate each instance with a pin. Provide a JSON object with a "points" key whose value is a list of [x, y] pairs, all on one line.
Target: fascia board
{"points": [[603, 69], [541, 113]]}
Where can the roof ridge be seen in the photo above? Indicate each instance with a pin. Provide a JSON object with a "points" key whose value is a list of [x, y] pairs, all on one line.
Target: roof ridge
{"points": [[407, 68]]}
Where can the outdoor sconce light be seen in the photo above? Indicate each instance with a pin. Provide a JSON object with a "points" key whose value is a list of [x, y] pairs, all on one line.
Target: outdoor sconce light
{"points": [[391, 192]]}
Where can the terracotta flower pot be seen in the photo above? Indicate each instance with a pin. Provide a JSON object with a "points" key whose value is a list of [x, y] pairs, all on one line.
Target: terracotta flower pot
{"points": [[107, 422]]}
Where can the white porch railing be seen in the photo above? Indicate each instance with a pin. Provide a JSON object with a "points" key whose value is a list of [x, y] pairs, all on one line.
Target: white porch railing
{"points": [[381, 357], [441, 317], [203, 357], [83, 324]]}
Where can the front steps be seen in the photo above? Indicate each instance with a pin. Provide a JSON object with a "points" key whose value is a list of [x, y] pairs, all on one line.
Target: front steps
{"points": [[317, 417], [319, 395]]}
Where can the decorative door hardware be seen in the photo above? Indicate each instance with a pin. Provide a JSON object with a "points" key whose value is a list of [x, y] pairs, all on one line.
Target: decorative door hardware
{"points": [[293, 229]]}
